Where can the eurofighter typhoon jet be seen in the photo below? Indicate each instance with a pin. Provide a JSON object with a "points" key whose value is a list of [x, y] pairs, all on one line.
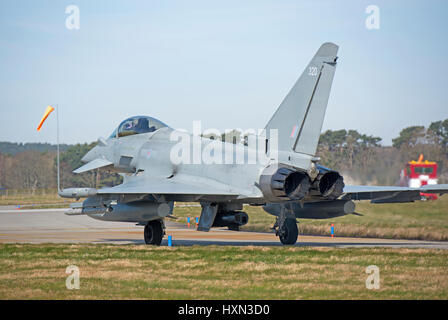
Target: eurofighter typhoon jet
{"points": [[289, 185]]}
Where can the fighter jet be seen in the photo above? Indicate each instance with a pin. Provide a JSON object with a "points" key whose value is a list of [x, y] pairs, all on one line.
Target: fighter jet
{"points": [[290, 184]]}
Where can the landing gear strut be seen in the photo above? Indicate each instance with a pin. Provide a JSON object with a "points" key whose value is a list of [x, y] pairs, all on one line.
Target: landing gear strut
{"points": [[286, 226], [154, 232]]}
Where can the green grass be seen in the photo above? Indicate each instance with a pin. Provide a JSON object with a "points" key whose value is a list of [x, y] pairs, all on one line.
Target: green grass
{"points": [[424, 220], [39, 197], [212, 272]]}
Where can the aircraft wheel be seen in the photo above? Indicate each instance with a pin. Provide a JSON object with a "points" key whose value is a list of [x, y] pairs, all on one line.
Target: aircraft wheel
{"points": [[154, 232], [289, 231]]}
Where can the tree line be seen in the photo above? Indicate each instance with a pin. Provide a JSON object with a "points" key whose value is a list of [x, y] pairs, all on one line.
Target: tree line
{"points": [[33, 170], [13, 148], [362, 160], [359, 157]]}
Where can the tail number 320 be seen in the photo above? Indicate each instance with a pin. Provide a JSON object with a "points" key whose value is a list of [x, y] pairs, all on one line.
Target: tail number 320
{"points": [[312, 71]]}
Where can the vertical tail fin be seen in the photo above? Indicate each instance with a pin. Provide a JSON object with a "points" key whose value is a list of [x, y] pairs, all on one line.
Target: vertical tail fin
{"points": [[300, 116]]}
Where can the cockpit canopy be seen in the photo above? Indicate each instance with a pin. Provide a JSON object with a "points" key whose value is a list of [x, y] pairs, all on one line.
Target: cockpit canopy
{"points": [[137, 125]]}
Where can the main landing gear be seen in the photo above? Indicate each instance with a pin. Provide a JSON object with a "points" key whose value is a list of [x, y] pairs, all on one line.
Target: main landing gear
{"points": [[154, 232], [286, 226]]}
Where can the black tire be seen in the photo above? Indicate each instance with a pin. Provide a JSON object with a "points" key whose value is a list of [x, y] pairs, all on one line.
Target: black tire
{"points": [[154, 232], [290, 232]]}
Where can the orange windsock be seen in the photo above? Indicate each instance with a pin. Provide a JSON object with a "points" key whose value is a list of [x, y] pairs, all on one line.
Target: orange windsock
{"points": [[46, 114], [420, 158]]}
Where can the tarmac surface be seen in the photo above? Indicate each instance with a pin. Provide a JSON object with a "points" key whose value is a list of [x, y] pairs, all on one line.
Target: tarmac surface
{"points": [[53, 226]]}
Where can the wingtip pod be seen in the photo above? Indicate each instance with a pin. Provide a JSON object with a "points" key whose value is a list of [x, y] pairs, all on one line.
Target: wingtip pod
{"points": [[77, 192], [435, 188], [49, 110]]}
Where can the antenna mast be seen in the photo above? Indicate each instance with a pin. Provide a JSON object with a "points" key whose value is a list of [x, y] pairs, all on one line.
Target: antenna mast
{"points": [[57, 142]]}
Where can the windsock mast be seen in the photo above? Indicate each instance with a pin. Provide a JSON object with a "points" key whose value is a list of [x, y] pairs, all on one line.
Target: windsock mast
{"points": [[57, 142]]}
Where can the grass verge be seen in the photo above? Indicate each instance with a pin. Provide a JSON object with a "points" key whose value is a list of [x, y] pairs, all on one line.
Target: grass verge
{"points": [[132, 272], [26, 198]]}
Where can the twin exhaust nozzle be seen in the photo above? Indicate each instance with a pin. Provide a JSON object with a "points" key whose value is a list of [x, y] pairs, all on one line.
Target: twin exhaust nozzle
{"points": [[279, 183]]}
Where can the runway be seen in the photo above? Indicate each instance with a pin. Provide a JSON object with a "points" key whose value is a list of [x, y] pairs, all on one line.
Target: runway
{"points": [[53, 226]]}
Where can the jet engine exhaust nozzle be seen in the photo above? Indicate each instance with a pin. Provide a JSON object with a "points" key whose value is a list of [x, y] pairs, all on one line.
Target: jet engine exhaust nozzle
{"points": [[284, 183], [331, 185]]}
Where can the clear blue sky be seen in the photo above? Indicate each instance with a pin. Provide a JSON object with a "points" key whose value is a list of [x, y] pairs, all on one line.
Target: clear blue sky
{"points": [[227, 63]]}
